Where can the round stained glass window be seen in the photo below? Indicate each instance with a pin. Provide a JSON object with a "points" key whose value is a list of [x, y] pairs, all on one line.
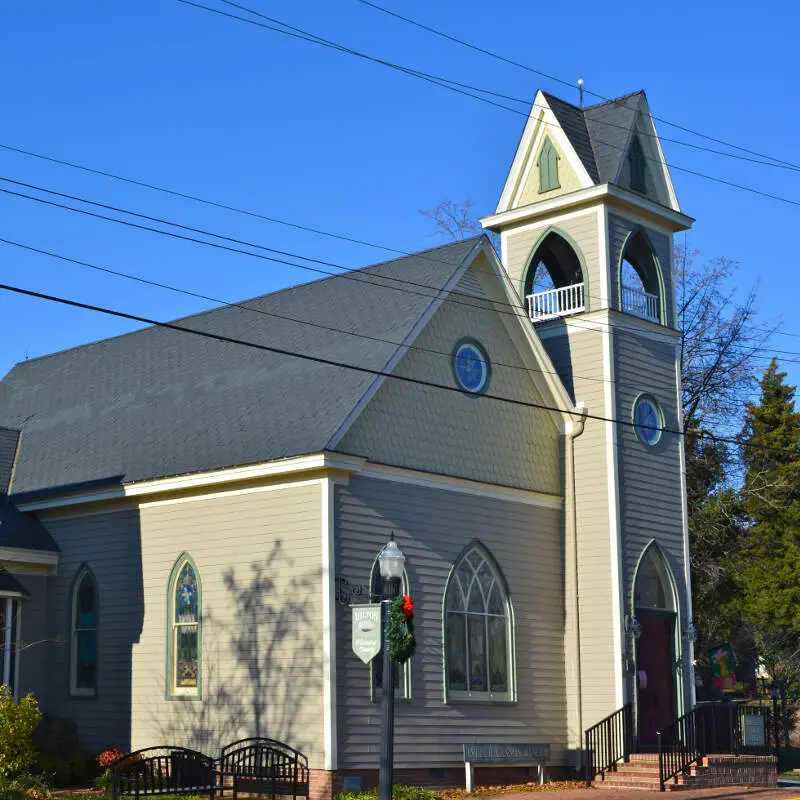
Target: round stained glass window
{"points": [[647, 420], [471, 366]]}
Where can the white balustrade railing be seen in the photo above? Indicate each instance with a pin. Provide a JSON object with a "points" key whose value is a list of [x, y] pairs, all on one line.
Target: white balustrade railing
{"points": [[555, 303], [640, 303]]}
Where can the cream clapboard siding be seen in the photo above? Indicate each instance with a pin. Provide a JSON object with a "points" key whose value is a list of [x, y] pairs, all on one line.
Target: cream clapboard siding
{"points": [[452, 432], [580, 229], [433, 526], [578, 353], [619, 230], [258, 555], [651, 500], [34, 646]]}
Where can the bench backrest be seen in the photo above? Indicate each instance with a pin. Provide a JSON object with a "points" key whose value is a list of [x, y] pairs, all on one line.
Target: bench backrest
{"points": [[163, 770], [258, 756]]}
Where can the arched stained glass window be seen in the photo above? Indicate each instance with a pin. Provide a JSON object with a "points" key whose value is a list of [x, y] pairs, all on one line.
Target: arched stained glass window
{"points": [[185, 623], [83, 636], [478, 641], [548, 167]]}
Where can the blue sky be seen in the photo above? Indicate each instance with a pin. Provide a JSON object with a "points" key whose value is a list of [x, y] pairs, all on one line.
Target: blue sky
{"points": [[172, 95]]}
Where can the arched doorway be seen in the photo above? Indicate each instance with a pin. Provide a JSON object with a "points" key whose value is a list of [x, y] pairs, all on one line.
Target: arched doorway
{"points": [[554, 280], [640, 280], [655, 611]]}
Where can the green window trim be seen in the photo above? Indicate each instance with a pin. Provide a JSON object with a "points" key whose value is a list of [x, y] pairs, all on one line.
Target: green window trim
{"points": [[183, 677], [548, 167], [636, 160]]}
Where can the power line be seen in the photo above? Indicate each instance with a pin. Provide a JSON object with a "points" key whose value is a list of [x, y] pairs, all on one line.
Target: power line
{"points": [[349, 273], [245, 307], [452, 85], [366, 370], [512, 62]]}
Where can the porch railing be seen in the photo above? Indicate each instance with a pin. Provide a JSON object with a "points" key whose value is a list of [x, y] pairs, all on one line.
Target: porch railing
{"points": [[554, 303], [609, 742], [640, 303], [712, 728]]}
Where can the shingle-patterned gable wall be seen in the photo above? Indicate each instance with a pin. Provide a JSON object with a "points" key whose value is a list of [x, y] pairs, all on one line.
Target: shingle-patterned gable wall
{"points": [[451, 433]]}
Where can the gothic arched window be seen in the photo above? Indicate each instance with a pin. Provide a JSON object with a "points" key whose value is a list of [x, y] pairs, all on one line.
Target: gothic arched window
{"points": [[184, 621], [478, 630], [83, 635], [548, 167]]}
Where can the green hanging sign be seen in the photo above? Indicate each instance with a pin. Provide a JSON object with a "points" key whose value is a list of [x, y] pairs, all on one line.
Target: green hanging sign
{"points": [[367, 631]]}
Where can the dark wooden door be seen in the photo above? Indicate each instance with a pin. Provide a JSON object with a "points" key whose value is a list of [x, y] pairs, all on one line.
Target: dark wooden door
{"points": [[654, 665]]}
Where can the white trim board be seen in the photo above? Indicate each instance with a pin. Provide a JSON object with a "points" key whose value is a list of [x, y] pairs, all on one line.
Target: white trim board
{"points": [[329, 693], [462, 485]]}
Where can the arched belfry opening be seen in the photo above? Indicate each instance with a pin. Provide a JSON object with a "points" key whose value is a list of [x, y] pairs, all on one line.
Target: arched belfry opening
{"points": [[657, 644], [640, 280], [554, 282]]}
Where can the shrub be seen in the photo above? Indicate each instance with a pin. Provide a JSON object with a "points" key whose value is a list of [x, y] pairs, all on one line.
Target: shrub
{"points": [[399, 792], [60, 753], [17, 723]]}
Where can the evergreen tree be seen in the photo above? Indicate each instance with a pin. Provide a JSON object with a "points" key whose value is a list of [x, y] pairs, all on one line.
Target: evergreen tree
{"points": [[769, 563]]}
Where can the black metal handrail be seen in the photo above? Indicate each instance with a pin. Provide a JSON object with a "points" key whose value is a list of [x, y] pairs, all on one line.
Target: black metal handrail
{"points": [[609, 742], [711, 728]]}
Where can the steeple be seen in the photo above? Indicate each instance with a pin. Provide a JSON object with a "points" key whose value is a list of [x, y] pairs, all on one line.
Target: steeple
{"points": [[586, 219]]}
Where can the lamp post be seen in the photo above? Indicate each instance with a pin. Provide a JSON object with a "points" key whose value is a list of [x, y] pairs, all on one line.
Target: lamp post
{"points": [[390, 561]]}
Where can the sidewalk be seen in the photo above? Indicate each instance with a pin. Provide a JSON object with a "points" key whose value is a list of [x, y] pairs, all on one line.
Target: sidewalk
{"points": [[723, 793]]}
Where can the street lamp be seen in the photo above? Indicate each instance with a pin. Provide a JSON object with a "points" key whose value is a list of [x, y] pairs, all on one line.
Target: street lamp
{"points": [[390, 562]]}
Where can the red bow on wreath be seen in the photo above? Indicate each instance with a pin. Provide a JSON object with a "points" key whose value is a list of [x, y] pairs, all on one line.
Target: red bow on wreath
{"points": [[408, 607], [400, 629]]}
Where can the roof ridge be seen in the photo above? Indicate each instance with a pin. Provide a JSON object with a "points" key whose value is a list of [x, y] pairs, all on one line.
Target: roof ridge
{"points": [[239, 303], [615, 100]]}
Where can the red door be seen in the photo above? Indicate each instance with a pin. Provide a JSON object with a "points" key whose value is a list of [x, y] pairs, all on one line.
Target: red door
{"points": [[654, 665]]}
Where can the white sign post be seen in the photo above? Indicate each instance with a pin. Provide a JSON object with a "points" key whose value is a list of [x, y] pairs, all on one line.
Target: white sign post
{"points": [[367, 631]]}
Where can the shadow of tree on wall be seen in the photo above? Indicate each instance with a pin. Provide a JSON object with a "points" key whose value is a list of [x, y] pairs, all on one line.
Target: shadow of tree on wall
{"points": [[262, 659]]}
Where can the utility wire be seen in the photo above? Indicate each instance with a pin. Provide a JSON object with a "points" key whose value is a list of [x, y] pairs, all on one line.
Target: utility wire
{"points": [[369, 371], [348, 273], [452, 85], [244, 306], [556, 79]]}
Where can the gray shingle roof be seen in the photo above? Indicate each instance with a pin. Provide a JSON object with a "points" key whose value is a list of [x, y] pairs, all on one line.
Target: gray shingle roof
{"points": [[599, 133], [8, 583], [23, 531], [158, 402]]}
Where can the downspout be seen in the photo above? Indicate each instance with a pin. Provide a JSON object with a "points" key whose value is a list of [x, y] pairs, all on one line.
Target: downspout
{"points": [[573, 428]]}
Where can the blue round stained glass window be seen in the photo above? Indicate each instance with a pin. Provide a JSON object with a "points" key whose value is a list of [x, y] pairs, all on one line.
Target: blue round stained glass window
{"points": [[647, 420], [471, 366]]}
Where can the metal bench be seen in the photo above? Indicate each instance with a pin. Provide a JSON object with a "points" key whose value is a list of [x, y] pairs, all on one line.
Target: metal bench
{"points": [[163, 770], [263, 766]]}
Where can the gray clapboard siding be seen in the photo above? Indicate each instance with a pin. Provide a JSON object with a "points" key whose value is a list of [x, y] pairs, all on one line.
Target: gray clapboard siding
{"points": [[34, 644], [258, 556], [432, 527], [455, 433]]}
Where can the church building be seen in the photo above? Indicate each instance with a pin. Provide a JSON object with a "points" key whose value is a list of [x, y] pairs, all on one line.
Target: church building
{"points": [[186, 520]]}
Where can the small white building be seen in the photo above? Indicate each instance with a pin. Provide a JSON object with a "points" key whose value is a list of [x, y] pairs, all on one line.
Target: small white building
{"points": [[188, 520]]}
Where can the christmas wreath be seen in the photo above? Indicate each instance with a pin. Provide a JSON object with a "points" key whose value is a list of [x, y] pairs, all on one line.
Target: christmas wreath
{"points": [[400, 629]]}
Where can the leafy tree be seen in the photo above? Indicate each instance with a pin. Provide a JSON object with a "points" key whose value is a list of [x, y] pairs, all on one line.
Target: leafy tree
{"points": [[17, 723]]}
